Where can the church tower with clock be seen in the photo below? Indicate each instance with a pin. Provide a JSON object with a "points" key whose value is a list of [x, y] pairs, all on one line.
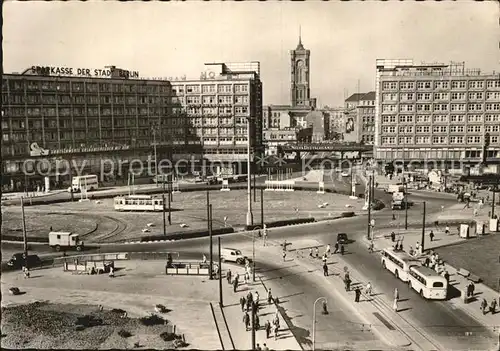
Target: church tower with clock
{"points": [[299, 87]]}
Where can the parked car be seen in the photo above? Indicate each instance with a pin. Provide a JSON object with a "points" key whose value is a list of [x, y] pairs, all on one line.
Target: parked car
{"points": [[17, 261], [342, 238]]}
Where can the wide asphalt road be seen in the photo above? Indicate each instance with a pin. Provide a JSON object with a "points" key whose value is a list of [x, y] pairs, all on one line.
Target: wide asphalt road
{"points": [[450, 327]]}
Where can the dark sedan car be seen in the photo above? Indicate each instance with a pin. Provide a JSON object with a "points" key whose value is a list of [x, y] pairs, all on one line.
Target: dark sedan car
{"points": [[18, 261]]}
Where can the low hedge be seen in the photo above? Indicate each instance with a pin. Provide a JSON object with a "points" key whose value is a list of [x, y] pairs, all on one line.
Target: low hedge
{"points": [[286, 222], [187, 234], [347, 214], [33, 239]]}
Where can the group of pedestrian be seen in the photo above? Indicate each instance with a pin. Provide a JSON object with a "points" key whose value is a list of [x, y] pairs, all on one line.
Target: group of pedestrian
{"points": [[493, 306]]}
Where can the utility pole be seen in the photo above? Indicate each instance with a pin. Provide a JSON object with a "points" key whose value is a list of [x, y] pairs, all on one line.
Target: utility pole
{"points": [[253, 257], [25, 234], [253, 326], [163, 207], [71, 187], [210, 270], [262, 208], [254, 188], [493, 205], [406, 204], [221, 302], [169, 203], [369, 206], [423, 229], [249, 218]]}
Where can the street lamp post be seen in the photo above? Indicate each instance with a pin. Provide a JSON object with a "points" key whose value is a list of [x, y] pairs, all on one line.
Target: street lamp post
{"points": [[314, 321], [249, 177], [406, 203], [253, 253], [369, 205], [156, 163]]}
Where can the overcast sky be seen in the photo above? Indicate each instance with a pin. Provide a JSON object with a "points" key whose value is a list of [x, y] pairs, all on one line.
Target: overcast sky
{"points": [[173, 39]]}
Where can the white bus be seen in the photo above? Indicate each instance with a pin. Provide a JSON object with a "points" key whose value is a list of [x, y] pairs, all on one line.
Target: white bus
{"points": [[87, 182], [429, 284], [138, 203], [398, 263]]}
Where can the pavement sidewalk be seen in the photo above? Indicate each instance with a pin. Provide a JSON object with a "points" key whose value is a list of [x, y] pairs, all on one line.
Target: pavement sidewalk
{"points": [[410, 239], [234, 315]]}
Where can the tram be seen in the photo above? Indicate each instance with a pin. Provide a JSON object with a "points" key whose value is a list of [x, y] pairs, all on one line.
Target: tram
{"points": [[138, 203]]}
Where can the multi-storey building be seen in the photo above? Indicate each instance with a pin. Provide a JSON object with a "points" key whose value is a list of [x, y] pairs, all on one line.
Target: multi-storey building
{"points": [[360, 118], [101, 123], [336, 121], [221, 107], [435, 112]]}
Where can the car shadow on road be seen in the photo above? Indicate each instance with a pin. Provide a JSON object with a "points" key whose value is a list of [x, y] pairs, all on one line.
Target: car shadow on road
{"points": [[405, 309], [260, 270]]}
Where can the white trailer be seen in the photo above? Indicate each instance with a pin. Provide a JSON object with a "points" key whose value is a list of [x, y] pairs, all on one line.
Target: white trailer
{"points": [[65, 240]]}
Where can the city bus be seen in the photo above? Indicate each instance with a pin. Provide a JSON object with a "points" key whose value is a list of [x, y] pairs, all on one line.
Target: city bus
{"points": [[429, 284], [138, 203], [398, 263], [86, 182]]}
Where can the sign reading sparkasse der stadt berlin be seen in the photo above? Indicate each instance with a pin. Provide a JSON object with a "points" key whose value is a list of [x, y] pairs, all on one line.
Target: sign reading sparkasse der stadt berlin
{"points": [[84, 72]]}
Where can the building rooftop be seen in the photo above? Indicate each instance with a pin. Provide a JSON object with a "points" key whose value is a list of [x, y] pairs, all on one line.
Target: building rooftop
{"points": [[361, 97]]}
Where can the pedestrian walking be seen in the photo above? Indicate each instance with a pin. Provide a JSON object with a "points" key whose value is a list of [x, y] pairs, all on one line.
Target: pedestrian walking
{"points": [[284, 255], [246, 320], [347, 283], [325, 270], [493, 306], [245, 277], [484, 304], [328, 249], [342, 249], [276, 328], [268, 329], [447, 276], [357, 293], [370, 247], [431, 235], [316, 252], [368, 290], [447, 230], [235, 285], [204, 260], [395, 305], [243, 303], [265, 235], [311, 252], [229, 275], [396, 294], [257, 298], [336, 247], [269, 296], [324, 259], [417, 248], [472, 288], [393, 236], [111, 272]]}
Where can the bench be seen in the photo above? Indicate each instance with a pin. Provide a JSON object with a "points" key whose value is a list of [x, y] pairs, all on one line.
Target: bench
{"points": [[463, 272], [474, 278]]}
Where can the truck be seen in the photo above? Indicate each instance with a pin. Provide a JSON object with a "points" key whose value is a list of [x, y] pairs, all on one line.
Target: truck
{"points": [[65, 240], [399, 204], [395, 188]]}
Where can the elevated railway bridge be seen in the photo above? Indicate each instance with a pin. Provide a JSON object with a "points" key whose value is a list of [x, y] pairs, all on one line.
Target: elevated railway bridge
{"points": [[338, 151]]}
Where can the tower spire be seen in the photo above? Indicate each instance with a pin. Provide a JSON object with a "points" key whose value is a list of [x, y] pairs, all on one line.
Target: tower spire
{"points": [[300, 46]]}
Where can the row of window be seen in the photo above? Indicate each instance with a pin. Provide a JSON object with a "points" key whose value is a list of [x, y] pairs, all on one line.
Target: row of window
{"points": [[440, 118], [440, 129], [441, 84], [471, 107], [494, 95], [137, 87], [50, 99], [210, 88], [212, 99], [410, 140]]}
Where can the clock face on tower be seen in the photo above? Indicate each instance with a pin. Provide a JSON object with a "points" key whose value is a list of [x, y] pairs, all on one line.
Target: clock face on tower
{"points": [[300, 63]]}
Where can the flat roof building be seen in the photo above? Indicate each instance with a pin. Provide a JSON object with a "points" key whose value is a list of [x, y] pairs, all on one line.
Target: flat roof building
{"points": [[435, 112], [89, 116]]}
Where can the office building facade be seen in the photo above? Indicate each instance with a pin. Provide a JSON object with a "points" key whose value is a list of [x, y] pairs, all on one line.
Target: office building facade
{"points": [[96, 123], [435, 112], [359, 117]]}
